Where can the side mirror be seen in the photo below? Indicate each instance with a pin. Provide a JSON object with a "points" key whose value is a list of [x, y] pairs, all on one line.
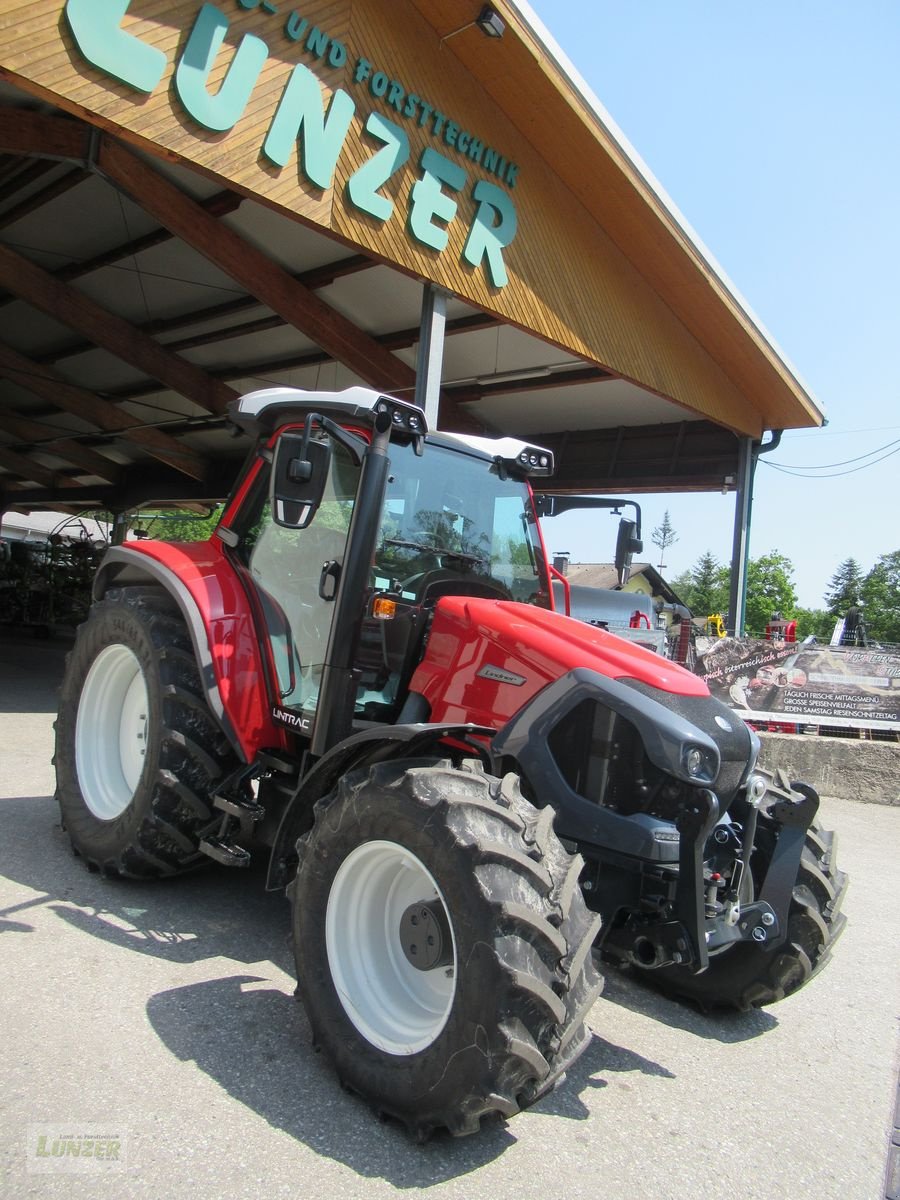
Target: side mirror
{"points": [[299, 475], [627, 545]]}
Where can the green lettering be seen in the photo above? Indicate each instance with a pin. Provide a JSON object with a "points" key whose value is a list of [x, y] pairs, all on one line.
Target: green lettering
{"points": [[428, 201], [97, 33], [300, 110], [364, 184], [223, 110], [486, 239], [42, 1151], [317, 42], [295, 26], [396, 96]]}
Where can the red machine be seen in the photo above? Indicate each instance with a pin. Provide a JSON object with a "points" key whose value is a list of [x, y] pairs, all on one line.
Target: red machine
{"points": [[362, 672]]}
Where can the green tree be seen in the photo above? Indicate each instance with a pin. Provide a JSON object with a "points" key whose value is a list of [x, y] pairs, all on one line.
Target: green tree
{"points": [[682, 585], [814, 622], [880, 593], [179, 525], [845, 587], [663, 536], [770, 589], [707, 586]]}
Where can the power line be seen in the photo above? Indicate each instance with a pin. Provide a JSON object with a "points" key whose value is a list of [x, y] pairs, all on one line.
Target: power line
{"points": [[794, 435], [844, 463], [834, 474]]}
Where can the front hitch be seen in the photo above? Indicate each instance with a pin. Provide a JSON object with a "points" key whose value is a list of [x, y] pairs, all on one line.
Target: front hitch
{"points": [[793, 810], [695, 823]]}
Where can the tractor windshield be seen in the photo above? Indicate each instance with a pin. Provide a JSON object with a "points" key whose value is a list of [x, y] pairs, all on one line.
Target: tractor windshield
{"points": [[450, 514]]}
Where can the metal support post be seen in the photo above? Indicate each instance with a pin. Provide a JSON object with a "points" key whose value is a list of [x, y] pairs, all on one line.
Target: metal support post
{"points": [[119, 530], [740, 550], [430, 356]]}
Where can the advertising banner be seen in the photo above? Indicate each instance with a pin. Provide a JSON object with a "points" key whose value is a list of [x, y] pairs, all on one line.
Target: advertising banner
{"points": [[796, 682]]}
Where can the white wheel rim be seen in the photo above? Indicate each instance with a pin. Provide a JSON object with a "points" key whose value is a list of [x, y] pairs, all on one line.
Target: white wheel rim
{"points": [[395, 1006], [111, 732]]}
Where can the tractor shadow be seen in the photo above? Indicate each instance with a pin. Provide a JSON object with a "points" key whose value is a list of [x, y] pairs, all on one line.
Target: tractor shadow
{"points": [[211, 913], [255, 1042], [250, 1036], [621, 987]]}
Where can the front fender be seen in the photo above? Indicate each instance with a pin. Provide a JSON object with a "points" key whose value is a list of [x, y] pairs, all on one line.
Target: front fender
{"points": [[215, 607], [371, 745]]}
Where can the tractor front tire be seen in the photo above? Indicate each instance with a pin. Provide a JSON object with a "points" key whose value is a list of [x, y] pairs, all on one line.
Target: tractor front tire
{"points": [[138, 751], [443, 946]]}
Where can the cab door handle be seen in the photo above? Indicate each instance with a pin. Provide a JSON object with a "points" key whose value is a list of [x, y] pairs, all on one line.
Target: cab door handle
{"points": [[329, 579]]}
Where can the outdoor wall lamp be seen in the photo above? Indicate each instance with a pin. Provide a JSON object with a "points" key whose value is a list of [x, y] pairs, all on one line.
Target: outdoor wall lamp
{"points": [[488, 21]]}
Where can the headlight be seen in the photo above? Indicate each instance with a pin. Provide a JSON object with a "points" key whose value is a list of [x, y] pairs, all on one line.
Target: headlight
{"points": [[699, 764]]}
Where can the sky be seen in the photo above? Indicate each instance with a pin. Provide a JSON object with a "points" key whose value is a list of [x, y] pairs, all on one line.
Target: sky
{"points": [[773, 126]]}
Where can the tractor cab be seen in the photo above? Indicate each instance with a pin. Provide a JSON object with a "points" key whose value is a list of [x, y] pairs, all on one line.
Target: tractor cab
{"points": [[352, 524]]}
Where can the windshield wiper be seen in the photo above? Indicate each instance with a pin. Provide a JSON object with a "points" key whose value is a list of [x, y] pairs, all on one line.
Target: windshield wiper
{"points": [[405, 545]]}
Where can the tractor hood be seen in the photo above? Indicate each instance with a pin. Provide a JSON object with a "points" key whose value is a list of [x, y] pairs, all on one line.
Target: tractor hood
{"points": [[485, 659]]}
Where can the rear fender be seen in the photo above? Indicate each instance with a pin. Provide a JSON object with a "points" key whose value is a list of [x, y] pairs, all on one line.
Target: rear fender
{"points": [[370, 746], [215, 607]]}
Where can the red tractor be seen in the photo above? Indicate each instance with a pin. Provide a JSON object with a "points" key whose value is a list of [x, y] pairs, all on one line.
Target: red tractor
{"points": [[466, 794]]}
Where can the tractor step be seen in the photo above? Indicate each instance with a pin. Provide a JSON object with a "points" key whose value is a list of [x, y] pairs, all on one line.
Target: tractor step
{"points": [[268, 760], [226, 853], [238, 808]]}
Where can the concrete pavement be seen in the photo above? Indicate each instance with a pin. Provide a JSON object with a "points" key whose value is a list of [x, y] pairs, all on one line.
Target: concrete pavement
{"points": [[157, 1023]]}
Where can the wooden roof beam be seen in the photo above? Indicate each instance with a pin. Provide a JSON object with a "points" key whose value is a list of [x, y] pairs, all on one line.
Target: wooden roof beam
{"points": [[467, 393], [273, 286], [66, 448], [219, 205], [65, 304], [316, 277], [28, 174], [32, 134], [26, 132], [398, 340], [26, 468], [43, 381], [32, 203]]}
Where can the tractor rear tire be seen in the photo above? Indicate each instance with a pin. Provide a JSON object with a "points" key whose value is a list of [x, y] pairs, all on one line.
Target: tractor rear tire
{"points": [[419, 858], [748, 976], [138, 751]]}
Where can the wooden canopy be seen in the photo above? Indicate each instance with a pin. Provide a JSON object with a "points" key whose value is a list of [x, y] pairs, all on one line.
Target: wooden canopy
{"points": [[200, 199]]}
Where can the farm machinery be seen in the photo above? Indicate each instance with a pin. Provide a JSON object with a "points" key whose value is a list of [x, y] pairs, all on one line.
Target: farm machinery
{"points": [[471, 799]]}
